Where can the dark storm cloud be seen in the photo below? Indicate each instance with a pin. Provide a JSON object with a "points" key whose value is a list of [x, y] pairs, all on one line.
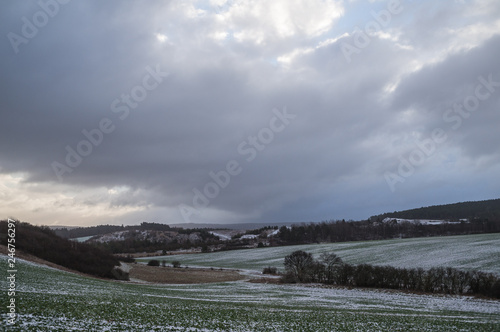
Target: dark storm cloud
{"points": [[351, 121], [437, 89]]}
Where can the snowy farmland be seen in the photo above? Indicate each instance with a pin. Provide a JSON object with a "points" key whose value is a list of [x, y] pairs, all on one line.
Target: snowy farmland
{"points": [[48, 299], [480, 252]]}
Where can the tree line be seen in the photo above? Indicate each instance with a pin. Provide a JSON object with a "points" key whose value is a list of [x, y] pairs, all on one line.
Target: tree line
{"points": [[105, 229], [342, 231], [300, 266], [132, 243]]}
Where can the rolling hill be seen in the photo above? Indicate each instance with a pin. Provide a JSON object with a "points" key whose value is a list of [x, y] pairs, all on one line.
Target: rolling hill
{"points": [[42, 242], [488, 209]]}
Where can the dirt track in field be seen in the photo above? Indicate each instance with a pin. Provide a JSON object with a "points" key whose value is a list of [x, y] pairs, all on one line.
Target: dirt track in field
{"points": [[170, 275]]}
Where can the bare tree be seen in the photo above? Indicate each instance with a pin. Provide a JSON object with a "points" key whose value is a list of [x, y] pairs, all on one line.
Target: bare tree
{"points": [[332, 265], [299, 265]]}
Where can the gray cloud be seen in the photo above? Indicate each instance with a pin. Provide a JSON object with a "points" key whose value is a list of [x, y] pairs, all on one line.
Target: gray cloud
{"points": [[354, 121]]}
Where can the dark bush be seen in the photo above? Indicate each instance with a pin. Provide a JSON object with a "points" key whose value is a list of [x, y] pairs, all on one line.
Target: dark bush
{"points": [[154, 262], [288, 278], [270, 270], [127, 259]]}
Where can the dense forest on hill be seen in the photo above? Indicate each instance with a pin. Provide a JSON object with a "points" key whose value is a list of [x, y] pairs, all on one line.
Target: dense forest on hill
{"points": [[44, 243], [466, 218], [133, 244], [342, 231], [72, 233], [489, 209], [105, 229]]}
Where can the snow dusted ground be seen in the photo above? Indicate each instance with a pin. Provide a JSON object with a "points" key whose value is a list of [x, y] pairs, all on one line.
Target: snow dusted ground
{"points": [[49, 299], [422, 221], [249, 236], [480, 252]]}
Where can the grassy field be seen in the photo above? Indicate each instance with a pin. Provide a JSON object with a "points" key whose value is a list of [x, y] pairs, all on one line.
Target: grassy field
{"points": [[52, 300], [481, 252]]}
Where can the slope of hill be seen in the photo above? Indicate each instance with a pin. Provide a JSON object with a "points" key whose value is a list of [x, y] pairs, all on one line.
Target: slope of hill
{"points": [[489, 209], [45, 244]]}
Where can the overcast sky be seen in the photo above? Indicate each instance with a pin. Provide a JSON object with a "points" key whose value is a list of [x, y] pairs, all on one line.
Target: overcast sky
{"points": [[245, 110]]}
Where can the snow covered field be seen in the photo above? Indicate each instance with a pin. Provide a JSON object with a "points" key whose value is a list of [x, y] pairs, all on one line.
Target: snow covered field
{"points": [[50, 300], [480, 252]]}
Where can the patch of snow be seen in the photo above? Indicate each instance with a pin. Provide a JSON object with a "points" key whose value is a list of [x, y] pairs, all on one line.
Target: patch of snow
{"points": [[116, 236], [248, 236], [273, 233], [223, 237]]}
